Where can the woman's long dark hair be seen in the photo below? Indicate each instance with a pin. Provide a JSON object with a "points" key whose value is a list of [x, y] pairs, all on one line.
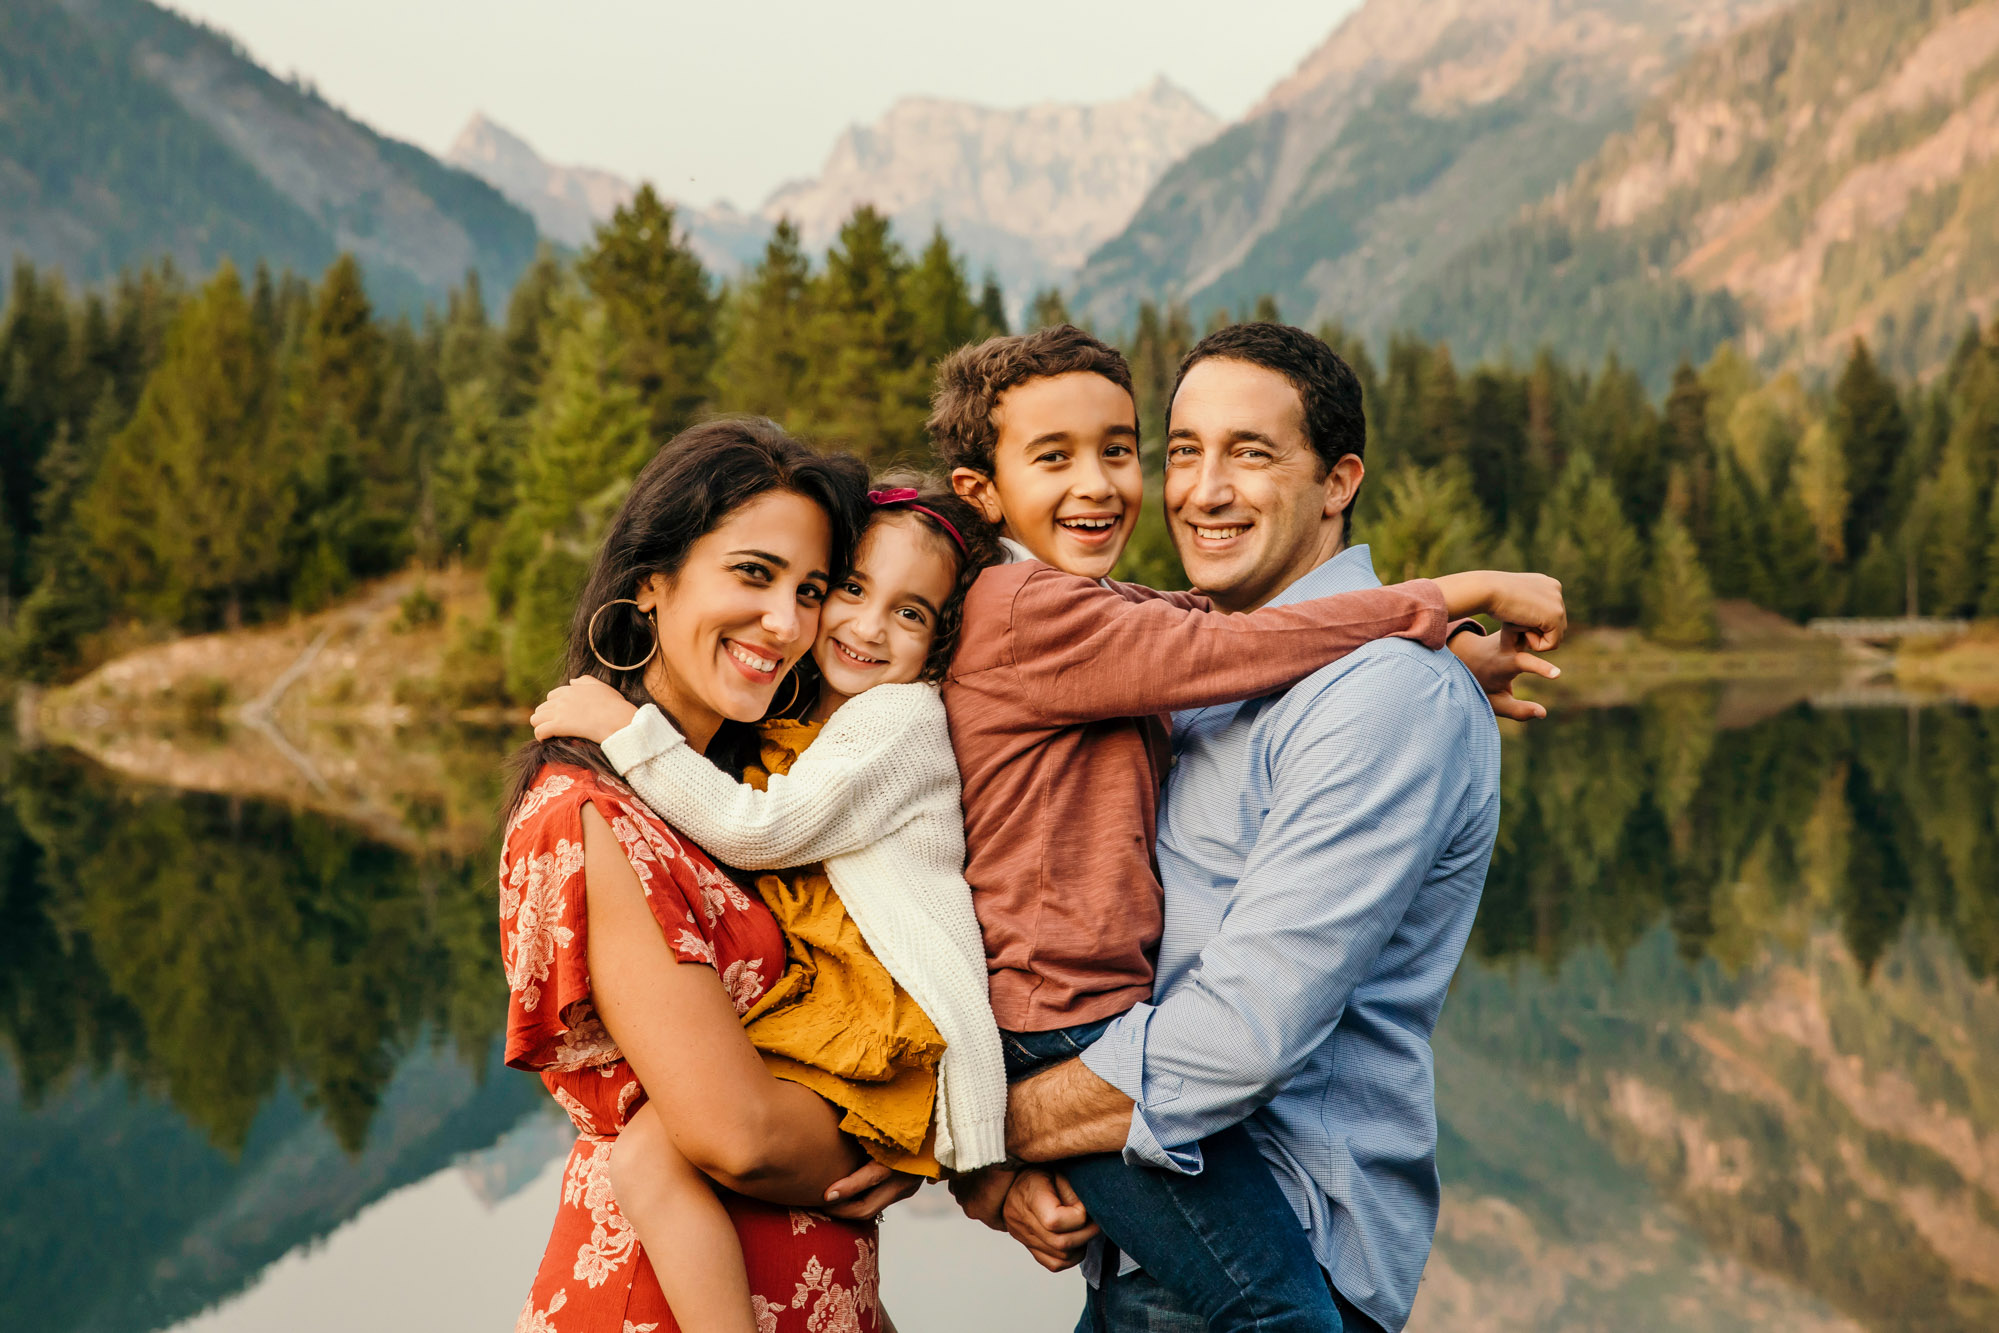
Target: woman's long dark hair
{"points": [[703, 475]]}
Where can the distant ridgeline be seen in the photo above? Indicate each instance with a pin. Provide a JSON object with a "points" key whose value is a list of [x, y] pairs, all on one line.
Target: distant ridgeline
{"points": [[178, 458], [128, 133], [1653, 177]]}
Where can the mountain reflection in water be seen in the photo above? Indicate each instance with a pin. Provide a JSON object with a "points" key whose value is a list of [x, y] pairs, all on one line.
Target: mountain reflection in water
{"points": [[1722, 1054]]}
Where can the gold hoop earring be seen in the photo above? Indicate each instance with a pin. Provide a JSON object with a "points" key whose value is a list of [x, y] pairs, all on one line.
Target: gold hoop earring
{"points": [[796, 690], [590, 634]]}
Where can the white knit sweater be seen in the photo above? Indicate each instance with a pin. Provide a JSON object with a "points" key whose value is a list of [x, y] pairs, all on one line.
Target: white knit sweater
{"points": [[876, 799]]}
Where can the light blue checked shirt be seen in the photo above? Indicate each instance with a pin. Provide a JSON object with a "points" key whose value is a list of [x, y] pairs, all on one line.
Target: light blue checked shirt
{"points": [[1323, 850]]}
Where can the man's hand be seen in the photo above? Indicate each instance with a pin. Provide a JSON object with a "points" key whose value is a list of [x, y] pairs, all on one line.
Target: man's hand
{"points": [[864, 1194], [1498, 660], [586, 708], [1044, 1214], [982, 1194]]}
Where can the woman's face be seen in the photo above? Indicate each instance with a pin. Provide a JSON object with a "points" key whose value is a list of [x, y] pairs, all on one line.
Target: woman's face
{"points": [[739, 614], [880, 621]]}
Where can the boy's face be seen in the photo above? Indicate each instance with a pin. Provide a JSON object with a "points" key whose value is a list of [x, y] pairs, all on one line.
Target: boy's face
{"points": [[1066, 482]]}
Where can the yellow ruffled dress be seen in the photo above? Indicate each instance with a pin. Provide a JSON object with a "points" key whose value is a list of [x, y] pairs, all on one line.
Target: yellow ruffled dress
{"points": [[837, 1022]]}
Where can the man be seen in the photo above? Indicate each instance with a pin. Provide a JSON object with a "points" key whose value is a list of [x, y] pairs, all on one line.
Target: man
{"points": [[1322, 850]]}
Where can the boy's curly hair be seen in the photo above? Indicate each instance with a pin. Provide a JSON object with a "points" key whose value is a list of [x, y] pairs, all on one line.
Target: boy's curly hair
{"points": [[971, 380]]}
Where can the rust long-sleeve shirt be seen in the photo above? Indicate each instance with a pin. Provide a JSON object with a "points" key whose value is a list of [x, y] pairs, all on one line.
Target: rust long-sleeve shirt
{"points": [[1057, 701]]}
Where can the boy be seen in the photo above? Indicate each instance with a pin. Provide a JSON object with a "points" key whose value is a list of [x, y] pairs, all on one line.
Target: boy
{"points": [[1056, 701]]}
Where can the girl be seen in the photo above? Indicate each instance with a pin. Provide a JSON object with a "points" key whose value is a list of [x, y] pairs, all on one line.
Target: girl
{"points": [[883, 1007]]}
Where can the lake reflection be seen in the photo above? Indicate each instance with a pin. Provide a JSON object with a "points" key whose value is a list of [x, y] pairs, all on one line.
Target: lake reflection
{"points": [[1722, 1054]]}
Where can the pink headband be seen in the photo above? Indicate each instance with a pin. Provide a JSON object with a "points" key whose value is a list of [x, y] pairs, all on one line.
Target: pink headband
{"points": [[906, 497]]}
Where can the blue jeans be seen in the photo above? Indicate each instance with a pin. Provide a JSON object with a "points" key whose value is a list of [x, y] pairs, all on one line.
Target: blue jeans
{"points": [[1224, 1242]]}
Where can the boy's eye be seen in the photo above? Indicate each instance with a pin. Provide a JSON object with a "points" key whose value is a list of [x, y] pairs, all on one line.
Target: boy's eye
{"points": [[1118, 451], [1053, 456]]}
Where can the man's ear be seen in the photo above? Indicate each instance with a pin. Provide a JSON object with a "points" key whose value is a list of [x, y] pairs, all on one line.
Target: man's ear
{"points": [[976, 489], [1342, 482]]}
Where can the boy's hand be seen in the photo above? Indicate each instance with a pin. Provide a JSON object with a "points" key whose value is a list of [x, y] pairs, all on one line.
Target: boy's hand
{"points": [[1044, 1214], [1497, 660], [865, 1193], [1530, 602], [585, 708]]}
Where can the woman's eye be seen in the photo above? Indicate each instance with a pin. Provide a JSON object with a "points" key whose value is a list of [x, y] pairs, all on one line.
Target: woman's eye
{"points": [[812, 592], [750, 569]]}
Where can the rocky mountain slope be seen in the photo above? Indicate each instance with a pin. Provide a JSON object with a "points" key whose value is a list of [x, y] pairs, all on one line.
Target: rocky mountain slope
{"points": [[567, 203], [1025, 192], [1829, 172], [1028, 191], [127, 132], [1410, 133]]}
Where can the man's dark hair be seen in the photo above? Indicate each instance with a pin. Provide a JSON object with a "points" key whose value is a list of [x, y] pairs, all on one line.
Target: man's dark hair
{"points": [[1334, 420], [971, 380]]}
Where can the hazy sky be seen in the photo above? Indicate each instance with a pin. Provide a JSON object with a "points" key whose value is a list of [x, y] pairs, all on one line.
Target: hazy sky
{"points": [[729, 100]]}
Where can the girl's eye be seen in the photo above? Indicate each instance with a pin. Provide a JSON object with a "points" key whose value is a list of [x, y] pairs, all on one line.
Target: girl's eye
{"points": [[852, 589], [912, 615], [1054, 457]]}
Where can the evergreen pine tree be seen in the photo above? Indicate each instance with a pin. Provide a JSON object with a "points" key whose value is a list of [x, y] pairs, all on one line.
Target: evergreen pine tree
{"points": [[1265, 310], [1737, 555], [1872, 431], [527, 343], [1688, 453], [1398, 436], [1442, 434], [586, 441], [1584, 540], [38, 379], [940, 301], [992, 309], [1496, 426], [69, 601], [657, 299], [1615, 424], [188, 513], [768, 318], [1428, 523], [1678, 599], [870, 387], [1818, 480], [1988, 602], [1048, 310]]}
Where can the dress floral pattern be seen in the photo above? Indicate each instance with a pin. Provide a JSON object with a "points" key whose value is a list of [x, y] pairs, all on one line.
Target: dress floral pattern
{"points": [[809, 1272]]}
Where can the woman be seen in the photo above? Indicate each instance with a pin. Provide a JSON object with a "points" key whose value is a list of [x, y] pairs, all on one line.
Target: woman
{"points": [[630, 957]]}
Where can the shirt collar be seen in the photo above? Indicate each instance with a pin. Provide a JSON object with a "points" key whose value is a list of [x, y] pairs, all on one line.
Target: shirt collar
{"points": [[1349, 571], [1015, 552]]}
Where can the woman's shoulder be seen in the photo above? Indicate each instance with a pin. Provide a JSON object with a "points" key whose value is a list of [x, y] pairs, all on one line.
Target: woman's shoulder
{"points": [[558, 791]]}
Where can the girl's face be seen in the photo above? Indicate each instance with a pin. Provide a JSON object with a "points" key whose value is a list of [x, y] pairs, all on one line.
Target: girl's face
{"points": [[880, 621], [739, 614]]}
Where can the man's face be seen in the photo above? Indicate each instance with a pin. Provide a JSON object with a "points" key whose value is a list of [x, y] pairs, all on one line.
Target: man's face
{"points": [[1066, 482], [1249, 511]]}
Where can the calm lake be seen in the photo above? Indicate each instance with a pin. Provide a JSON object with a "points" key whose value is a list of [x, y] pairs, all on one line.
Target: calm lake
{"points": [[1724, 1053]]}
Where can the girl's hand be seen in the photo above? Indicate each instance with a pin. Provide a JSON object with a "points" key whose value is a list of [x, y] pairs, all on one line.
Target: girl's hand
{"points": [[866, 1192], [585, 708], [1497, 660], [1530, 602]]}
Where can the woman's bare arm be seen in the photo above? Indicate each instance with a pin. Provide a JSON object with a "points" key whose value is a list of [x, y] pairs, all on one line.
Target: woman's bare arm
{"points": [[753, 1133]]}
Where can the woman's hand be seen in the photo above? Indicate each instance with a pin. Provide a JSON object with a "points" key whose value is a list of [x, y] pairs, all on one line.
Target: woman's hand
{"points": [[585, 708], [864, 1194], [1497, 661], [1531, 602]]}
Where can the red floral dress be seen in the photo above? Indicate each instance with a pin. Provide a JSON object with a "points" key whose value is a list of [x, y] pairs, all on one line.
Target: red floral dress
{"points": [[808, 1272]]}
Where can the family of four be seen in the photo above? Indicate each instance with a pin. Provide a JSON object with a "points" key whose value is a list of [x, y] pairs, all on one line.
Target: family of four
{"points": [[879, 836]]}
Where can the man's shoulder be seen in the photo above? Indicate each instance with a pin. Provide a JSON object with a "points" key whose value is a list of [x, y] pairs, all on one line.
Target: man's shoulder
{"points": [[1387, 678]]}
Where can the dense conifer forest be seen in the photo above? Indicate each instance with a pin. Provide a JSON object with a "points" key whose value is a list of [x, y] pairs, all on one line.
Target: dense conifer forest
{"points": [[181, 453]]}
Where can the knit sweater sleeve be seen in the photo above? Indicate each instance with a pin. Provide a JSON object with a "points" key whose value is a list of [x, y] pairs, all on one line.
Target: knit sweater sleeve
{"points": [[849, 788]]}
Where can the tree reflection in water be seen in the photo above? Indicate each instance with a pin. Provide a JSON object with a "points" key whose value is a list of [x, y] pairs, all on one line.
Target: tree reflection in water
{"points": [[1730, 979]]}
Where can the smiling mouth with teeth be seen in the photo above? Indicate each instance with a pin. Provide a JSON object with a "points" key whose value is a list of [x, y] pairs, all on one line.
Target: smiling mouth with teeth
{"points": [[857, 658], [1088, 524], [750, 659], [1220, 534]]}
